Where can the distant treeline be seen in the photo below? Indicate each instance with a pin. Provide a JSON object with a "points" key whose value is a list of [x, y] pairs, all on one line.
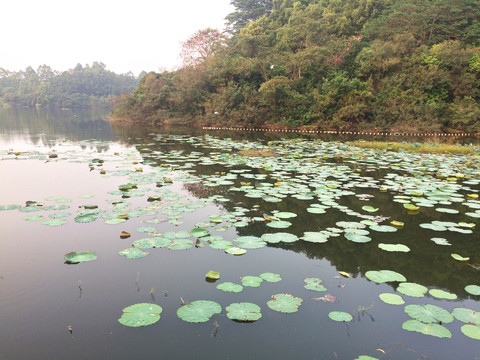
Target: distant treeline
{"points": [[332, 64], [81, 86]]}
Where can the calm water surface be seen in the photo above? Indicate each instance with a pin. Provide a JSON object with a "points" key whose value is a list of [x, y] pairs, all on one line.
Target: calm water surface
{"points": [[41, 296]]}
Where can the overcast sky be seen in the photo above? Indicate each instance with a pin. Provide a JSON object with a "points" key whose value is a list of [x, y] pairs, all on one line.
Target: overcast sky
{"points": [[126, 35]]}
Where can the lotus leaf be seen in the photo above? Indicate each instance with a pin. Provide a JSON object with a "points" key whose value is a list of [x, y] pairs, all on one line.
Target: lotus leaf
{"points": [[114, 221], [314, 284], [314, 237], [279, 237], [428, 313], [142, 314], [56, 222], [411, 207], [427, 329], [392, 299], [473, 289], [33, 218], [447, 210], [279, 224], [383, 228], [199, 311], [181, 244], [340, 316], [250, 242], [147, 229], [468, 316], [213, 275], [285, 215], [394, 247], [370, 209], [285, 303], [270, 277], [315, 210], [412, 289], [235, 251], [243, 311], [471, 331], [381, 276], [441, 294], [366, 357], [220, 244], [357, 238], [199, 232], [59, 215], [252, 281], [230, 287], [145, 243], [440, 241], [133, 253], [78, 257]]}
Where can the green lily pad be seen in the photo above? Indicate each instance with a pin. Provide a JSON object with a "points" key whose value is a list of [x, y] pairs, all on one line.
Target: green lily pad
{"points": [[473, 289], [383, 228], [114, 221], [428, 313], [213, 275], [142, 314], [243, 311], [340, 316], [381, 276], [133, 253], [199, 311], [411, 207], [271, 277], [55, 222], [279, 237], [230, 287], [412, 289], [199, 232], [370, 209], [471, 331], [284, 303], [447, 210], [427, 329], [314, 237], [181, 244], [252, 281], [394, 247], [233, 250], [468, 316], [279, 224], [392, 299], [146, 229], [314, 284], [441, 294], [357, 238], [33, 218], [285, 215], [366, 357], [441, 241], [78, 257], [460, 258]]}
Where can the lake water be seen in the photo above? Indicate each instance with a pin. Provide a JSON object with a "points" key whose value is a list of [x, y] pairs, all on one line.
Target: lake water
{"points": [[65, 162]]}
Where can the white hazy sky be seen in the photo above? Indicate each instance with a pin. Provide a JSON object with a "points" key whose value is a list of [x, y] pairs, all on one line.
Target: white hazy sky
{"points": [[126, 35]]}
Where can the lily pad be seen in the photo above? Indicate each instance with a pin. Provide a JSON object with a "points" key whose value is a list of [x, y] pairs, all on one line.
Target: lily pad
{"points": [[199, 311], [252, 281], [340, 316], [279, 224], [244, 311], [428, 313], [392, 299], [230, 287], [468, 316], [394, 247], [370, 209], [271, 277], [314, 237], [285, 303], [427, 329], [213, 275], [133, 253], [314, 284], [460, 258], [412, 289], [233, 250], [55, 222], [471, 331], [199, 232], [473, 289], [142, 314], [382, 276], [441, 294], [78, 257], [279, 237]]}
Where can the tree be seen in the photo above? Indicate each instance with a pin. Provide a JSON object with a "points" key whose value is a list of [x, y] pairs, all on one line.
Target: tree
{"points": [[246, 11], [200, 46]]}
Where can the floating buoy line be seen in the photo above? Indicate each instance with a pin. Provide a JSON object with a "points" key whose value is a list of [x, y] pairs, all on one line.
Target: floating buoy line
{"points": [[304, 131]]}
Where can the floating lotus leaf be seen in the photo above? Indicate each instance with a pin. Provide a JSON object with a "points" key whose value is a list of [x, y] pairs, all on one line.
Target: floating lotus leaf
{"points": [[314, 284], [397, 223], [59, 215], [468, 316], [271, 277], [279, 224], [199, 311], [86, 218], [428, 313], [441, 294], [243, 311], [250, 242], [147, 229], [56, 222], [340, 316], [279, 237], [412, 289], [78, 257], [252, 281], [133, 253], [233, 250], [284, 303], [411, 207], [220, 244], [366, 357], [33, 218], [460, 258], [427, 329], [114, 221], [447, 210], [199, 232], [473, 289], [383, 228], [315, 237], [394, 247], [357, 238], [382, 276], [143, 314], [181, 244], [315, 210], [285, 215], [213, 275], [230, 287], [441, 241], [471, 331], [370, 209], [350, 225], [172, 235], [392, 299], [433, 227], [145, 243]]}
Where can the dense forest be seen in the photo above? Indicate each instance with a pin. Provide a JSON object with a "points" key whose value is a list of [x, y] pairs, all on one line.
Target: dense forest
{"points": [[330, 64], [78, 87]]}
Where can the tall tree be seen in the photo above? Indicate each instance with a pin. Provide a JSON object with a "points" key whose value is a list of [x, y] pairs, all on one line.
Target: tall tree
{"points": [[246, 11]]}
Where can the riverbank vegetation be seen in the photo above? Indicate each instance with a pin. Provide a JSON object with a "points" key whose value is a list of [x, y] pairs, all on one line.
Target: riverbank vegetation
{"points": [[325, 64], [82, 86]]}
